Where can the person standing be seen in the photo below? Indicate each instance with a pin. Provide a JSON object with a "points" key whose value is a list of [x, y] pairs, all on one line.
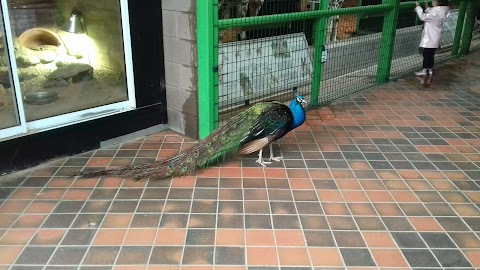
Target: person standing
{"points": [[433, 18]]}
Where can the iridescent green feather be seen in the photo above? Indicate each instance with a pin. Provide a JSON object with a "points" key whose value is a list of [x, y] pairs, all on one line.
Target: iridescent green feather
{"points": [[223, 141]]}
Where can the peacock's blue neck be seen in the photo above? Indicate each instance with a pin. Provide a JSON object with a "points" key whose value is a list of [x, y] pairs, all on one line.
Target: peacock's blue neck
{"points": [[298, 113]]}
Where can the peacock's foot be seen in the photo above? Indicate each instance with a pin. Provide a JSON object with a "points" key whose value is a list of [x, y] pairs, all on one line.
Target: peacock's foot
{"points": [[263, 163], [275, 158], [272, 157]]}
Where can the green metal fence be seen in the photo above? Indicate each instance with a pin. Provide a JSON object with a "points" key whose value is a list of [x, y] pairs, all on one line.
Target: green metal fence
{"points": [[254, 50]]}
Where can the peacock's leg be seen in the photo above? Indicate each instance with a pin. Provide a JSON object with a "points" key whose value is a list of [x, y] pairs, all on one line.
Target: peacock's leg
{"points": [[260, 159], [273, 157]]}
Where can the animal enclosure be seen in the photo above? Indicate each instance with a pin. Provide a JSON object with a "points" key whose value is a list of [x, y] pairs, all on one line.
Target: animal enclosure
{"points": [[258, 50]]}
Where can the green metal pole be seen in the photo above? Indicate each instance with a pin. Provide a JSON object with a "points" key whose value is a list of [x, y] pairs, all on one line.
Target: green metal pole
{"points": [[205, 40], [459, 28], [469, 23], [358, 18], [215, 66], [387, 42], [320, 34]]}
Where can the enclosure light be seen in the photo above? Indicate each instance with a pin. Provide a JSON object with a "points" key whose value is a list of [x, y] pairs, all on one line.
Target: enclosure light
{"points": [[75, 22]]}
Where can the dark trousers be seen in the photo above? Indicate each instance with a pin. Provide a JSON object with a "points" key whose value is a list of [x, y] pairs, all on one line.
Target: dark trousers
{"points": [[428, 57]]}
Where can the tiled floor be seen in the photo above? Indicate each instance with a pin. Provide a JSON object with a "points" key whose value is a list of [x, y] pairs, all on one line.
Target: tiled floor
{"points": [[386, 179]]}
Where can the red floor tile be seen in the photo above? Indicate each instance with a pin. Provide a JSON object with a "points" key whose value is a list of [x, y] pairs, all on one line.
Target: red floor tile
{"points": [[325, 257], [226, 237], [140, 237], [44, 237], [30, 221], [77, 194], [99, 162], [230, 172], [117, 220], [473, 256], [259, 238], [110, 237], [389, 258], [355, 196], [25, 193], [9, 254], [17, 237], [330, 196], [300, 183], [293, 256], [379, 196], [379, 240], [40, 207], [262, 256], [14, 206], [425, 224], [289, 238], [185, 182], [335, 209]]}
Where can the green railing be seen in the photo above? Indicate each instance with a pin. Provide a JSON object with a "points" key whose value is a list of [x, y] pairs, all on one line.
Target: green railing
{"points": [[385, 54]]}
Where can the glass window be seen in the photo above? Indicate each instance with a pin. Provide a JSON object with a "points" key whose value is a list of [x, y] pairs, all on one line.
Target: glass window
{"points": [[69, 55], [8, 106]]}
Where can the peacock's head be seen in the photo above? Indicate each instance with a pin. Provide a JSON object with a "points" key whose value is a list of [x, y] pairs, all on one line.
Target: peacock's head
{"points": [[300, 100]]}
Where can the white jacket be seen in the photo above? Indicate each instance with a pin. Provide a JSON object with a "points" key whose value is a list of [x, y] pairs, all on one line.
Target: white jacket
{"points": [[434, 17]]}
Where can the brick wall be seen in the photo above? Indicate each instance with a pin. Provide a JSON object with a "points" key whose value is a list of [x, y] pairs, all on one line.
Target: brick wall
{"points": [[179, 39]]}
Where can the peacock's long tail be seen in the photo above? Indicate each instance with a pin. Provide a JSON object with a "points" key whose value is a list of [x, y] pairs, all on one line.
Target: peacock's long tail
{"points": [[185, 163], [203, 153], [224, 140], [164, 169]]}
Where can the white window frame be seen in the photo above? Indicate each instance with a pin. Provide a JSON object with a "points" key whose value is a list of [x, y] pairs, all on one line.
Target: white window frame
{"points": [[29, 127]]}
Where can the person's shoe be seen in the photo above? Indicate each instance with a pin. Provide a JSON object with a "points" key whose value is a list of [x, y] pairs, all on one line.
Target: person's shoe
{"points": [[430, 71], [422, 72]]}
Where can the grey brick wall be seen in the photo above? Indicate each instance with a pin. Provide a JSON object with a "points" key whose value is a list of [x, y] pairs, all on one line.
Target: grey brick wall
{"points": [[179, 38]]}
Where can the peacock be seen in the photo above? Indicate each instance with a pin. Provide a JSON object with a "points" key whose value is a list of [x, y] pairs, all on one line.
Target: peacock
{"points": [[249, 131]]}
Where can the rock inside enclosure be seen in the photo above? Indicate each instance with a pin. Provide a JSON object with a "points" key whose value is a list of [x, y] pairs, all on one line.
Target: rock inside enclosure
{"points": [[73, 72]]}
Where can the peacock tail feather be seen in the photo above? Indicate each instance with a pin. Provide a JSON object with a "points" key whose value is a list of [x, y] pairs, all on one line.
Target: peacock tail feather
{"points": [[224, 140]]}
